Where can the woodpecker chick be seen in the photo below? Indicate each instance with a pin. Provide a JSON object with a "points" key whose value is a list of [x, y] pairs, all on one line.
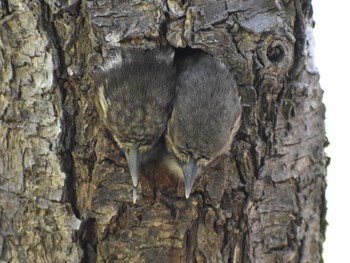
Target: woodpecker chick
{"points": [[135, 92], [206, 115]]}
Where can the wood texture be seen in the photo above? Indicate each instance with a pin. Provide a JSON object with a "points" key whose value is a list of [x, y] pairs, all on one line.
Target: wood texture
{"points": [[65, 190]]}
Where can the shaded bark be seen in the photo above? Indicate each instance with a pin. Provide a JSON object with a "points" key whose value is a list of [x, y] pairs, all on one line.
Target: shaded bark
{"points": [[65, 190]]}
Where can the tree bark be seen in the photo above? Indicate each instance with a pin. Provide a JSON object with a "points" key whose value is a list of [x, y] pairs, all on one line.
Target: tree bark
{"points": [[65, 189]]}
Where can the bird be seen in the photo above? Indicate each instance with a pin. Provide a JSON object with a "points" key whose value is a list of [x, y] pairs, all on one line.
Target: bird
{"points": [[134, 96], [206, 115]]}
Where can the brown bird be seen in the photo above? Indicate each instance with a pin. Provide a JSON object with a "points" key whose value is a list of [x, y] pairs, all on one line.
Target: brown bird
{"points": [[134, 98], [206, 115]]}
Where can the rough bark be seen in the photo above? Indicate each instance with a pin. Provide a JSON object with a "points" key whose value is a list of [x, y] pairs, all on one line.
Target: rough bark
{"points": [[65, 190]]}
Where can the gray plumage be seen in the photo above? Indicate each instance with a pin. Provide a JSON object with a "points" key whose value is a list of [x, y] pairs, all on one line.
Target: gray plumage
{"points": [[134, 97], [206, 115]]}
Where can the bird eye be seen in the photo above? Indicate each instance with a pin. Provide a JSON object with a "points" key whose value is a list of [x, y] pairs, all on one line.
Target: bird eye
{"points": [[182, 155], [183, 152]]}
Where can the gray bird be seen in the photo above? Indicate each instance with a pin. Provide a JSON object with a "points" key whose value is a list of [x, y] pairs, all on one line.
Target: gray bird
{"points": [[135, 92], [206, 115]]}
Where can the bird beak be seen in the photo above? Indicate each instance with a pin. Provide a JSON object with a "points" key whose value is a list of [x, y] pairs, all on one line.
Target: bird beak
{"points": [[134, 163], [190, 173]]}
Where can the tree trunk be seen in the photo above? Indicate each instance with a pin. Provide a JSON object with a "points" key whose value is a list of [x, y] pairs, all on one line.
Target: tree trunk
{"points": [[65, 189]]}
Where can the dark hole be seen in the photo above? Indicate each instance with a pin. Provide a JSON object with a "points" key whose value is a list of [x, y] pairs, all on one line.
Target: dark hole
{"points": [[275, 53], [182, 53], [185, 56]]}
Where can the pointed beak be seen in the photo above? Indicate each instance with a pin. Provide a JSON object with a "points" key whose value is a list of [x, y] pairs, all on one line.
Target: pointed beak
{"points": [[134, 195], [134, 163], [190, 172]]}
